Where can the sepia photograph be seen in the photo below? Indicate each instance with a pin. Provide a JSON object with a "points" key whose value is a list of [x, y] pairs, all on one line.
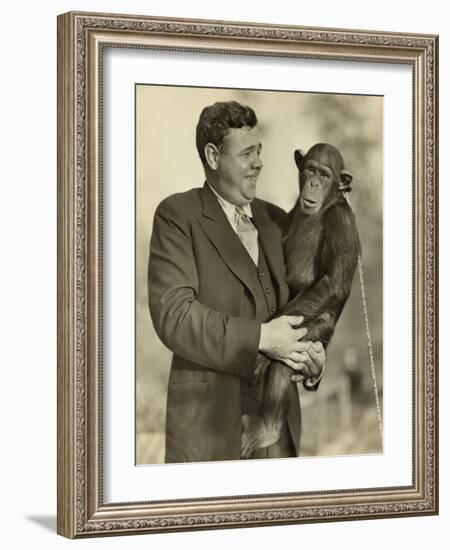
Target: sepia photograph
{"points": [[259, 274], [247, 274]]}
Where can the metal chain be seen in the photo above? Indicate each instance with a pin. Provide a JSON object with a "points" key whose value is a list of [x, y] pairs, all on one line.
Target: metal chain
{"points": [[369, 345], [369, 340]]}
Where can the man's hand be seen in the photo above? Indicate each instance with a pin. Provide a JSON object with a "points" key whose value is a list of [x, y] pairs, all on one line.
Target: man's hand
{"points": [[311, 365], [280, 340]]}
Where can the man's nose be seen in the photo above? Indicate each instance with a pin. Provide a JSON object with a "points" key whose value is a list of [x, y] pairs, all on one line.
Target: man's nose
{"points": [[257, 162]]}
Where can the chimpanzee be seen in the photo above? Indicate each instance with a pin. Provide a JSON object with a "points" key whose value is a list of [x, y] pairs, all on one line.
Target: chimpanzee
{"points": [[321, 248]]}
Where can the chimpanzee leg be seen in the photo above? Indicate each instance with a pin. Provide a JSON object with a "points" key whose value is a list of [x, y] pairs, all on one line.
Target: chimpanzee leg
{"points": [[276, 398], [266, 430]]}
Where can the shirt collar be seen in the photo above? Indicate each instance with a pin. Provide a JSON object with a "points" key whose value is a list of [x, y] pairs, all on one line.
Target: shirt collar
{"points": [[230, 208]]}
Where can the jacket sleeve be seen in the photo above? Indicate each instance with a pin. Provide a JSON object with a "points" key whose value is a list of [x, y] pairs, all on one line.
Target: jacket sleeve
{"points": [[188, 328]]}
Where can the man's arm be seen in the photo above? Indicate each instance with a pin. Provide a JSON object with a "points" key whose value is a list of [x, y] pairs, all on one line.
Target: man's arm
{"points": [[187, 327], [198, 333]]}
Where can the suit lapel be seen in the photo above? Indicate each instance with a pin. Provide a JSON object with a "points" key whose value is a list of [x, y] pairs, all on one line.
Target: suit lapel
{"points": [[227, 243]]}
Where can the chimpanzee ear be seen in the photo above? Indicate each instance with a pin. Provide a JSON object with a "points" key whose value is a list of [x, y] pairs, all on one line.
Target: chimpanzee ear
{"points": [[346, 180], [299, 155]]}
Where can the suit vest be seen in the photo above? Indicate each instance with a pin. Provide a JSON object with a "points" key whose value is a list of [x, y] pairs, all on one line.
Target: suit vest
{"points": [[266, 307], [252, 396]]}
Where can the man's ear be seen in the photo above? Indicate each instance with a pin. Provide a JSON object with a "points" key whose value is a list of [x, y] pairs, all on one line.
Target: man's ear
{"points": [[299, 155], [212, 156]]}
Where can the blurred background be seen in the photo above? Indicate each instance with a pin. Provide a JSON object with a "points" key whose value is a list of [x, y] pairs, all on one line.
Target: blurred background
{"points": [[340, 418]]}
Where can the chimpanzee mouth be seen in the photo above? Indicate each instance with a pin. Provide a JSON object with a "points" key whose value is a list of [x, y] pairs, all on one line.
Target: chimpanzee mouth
{"points": [[309, 203]]}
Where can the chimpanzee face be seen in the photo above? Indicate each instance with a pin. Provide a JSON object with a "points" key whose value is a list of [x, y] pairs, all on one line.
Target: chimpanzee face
{"points": [[316, 182], [322, 176]]}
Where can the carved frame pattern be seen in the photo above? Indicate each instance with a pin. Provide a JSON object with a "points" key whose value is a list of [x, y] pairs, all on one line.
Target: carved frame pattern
{"points": [[81, 37]]}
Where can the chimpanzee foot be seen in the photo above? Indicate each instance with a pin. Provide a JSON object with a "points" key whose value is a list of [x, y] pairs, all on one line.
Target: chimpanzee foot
{"points": [[256, 435]]}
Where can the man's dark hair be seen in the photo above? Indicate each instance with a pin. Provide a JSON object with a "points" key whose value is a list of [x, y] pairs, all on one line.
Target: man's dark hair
{"points": [[216, 120]]}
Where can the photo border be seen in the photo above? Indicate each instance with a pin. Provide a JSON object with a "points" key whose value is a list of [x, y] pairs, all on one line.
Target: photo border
{"points": [[81, 39]]}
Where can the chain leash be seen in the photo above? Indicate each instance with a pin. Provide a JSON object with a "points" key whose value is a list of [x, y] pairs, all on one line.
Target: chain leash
{"points": [[369, 345], [369, 341]]}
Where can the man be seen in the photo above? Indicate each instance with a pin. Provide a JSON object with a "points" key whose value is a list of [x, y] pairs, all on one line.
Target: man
{"points": [[215, 278]]}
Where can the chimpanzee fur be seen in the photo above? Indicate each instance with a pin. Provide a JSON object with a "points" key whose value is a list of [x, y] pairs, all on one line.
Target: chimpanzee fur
{"points": [[321, 250]]}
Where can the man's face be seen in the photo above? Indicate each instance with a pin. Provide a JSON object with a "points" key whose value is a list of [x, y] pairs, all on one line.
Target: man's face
{"points": [[239, 165]]}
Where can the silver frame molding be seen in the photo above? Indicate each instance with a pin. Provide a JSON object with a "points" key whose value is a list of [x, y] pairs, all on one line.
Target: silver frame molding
{"points": [[81, 38]]}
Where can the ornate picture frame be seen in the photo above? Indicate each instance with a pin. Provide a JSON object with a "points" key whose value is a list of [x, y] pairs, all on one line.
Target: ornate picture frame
{"points": [[82, 40]]}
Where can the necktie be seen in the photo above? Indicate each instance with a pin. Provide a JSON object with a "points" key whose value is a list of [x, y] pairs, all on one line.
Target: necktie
{"points": [[248, 233]]}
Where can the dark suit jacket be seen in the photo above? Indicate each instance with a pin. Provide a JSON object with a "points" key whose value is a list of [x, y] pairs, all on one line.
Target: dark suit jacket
{"points": [[202, 303]]}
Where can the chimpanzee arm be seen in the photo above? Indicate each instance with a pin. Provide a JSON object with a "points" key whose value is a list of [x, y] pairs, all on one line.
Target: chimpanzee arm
{"points": [[322, 303]]}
